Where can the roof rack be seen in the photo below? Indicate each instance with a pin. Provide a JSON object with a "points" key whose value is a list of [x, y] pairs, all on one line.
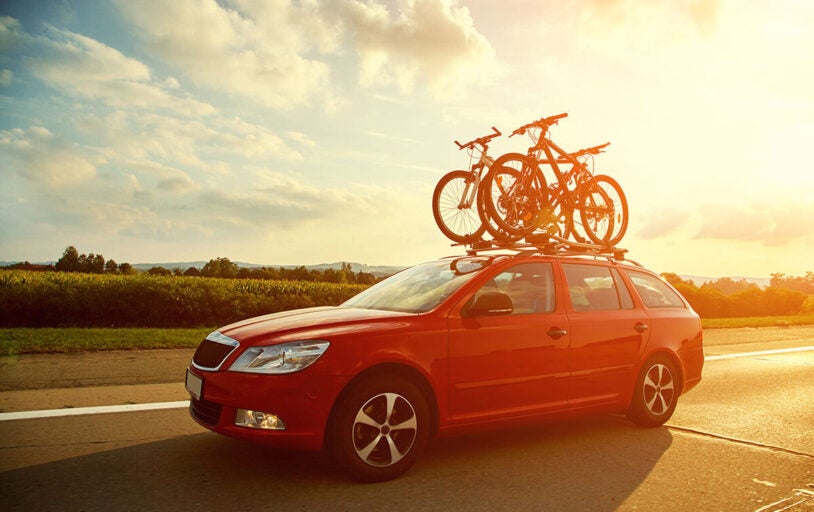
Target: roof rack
{"points": [[550, 245]]}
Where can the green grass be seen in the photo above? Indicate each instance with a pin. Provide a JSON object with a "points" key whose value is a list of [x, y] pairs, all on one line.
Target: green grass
{"points": [[757, 321], [48, 340]]}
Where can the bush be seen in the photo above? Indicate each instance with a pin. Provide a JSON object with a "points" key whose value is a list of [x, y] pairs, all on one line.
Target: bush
{"points": [[56, 299]]}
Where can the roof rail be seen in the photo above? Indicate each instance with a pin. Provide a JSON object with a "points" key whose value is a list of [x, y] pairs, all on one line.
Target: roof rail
{"points": [[551, 245]]}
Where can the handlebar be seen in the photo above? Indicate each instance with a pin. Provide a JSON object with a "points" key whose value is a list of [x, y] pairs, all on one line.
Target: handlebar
{"points": [[592, 151], [482, 141], [544, 122]]}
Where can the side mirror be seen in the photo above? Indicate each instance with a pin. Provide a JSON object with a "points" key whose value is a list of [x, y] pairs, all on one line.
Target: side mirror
{"points": [[489, 304]]}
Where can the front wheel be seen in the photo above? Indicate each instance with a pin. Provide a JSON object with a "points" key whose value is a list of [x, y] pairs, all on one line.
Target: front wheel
{"points": [[380, 427], [618, 202], [455, 209], [656, 393]]}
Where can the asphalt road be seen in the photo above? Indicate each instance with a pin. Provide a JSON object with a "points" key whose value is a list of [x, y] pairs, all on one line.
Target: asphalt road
{"points": [[743, 440]]}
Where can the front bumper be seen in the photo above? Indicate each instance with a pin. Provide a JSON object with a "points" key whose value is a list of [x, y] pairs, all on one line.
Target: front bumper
{"points": [[303, 401]]}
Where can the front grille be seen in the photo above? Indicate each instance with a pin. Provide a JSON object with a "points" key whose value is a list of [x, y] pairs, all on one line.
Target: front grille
{"points": [[211, 353], [205, 411]]}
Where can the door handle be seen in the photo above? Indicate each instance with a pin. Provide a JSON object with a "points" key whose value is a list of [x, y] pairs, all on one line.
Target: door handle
{"points": [[556, 333], [640, 327]]}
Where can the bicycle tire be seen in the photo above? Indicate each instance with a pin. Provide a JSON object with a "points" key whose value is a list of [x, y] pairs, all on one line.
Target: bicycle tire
{"points": [[562, 215], [620, 207], [489, 224], [461, 225], [603, 210], [517, 207]]}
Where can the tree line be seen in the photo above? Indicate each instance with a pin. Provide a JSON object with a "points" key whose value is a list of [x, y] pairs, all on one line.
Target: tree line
{"points": [[727, 297], [72, 261], [722, 298]]}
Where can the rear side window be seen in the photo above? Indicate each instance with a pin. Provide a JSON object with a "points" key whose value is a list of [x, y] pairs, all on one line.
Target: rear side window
{"points": [[595, 288], [654, 292]]}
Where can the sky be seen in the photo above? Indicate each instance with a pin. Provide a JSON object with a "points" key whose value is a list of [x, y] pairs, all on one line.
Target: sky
{"points": [[304, 132]]}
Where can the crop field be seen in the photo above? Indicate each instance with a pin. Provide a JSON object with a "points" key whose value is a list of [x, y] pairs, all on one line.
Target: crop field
{"points": [[57, 299]]}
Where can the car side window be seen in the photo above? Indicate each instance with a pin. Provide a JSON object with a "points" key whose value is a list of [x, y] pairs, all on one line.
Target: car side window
{"points": [[624, 293], [530, 286], [595, 288], [654, 292]]}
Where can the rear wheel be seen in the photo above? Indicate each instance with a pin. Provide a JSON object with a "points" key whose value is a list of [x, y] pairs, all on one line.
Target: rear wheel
{"points": [[516, 195], [498, 175], [656, 393], [380, 427]]}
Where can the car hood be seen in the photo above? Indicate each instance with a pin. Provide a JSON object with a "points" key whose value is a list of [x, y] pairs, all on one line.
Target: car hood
{"points": [[310, 323]]}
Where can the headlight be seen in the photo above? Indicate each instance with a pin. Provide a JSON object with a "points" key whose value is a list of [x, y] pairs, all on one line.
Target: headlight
{"points": [[277, 359]]}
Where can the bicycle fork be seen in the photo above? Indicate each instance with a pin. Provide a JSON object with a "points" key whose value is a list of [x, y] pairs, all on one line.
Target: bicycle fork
{"points": [[470, 192]]}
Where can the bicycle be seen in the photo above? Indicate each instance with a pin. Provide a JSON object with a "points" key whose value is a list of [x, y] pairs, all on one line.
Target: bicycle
{"points": [[526, 203], [454, 200]]}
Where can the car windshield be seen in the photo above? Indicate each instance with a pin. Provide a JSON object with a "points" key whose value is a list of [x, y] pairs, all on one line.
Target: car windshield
{"points": [[415, 290]]}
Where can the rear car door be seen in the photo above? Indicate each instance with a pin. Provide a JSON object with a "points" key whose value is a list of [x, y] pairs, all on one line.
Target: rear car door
{"points": [[505, 365], [607, 333]]}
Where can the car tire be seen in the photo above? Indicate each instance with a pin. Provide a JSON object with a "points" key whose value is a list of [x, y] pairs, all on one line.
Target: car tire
{"points": [[656, 393], [379, 428]]}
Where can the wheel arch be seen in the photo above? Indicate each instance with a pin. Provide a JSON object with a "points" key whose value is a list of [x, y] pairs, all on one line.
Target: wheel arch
{"points": [[674, 358], [392, 369]]}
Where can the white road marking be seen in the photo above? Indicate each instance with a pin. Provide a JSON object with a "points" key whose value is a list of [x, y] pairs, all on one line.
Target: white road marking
{"points": [[54, 413], [759, 353]]}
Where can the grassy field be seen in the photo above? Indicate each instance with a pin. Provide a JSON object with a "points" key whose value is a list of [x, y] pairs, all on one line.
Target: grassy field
{"points": [[757, 321], [46, 340], [17, 341]]}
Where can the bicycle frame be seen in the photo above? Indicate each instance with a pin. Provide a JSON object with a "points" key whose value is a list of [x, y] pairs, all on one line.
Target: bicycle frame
{"points": [[470, 192]]}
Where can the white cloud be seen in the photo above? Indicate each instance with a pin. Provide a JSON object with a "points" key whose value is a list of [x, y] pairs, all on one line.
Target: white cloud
{"points": [[11, 34], [87, 68], [280, 53], [432, 42], [6, 77], [223, 49], [41, 157]]}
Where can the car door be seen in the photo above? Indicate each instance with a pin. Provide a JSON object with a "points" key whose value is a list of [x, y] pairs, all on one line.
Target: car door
{"points": [[515, 361], [608, 334]]}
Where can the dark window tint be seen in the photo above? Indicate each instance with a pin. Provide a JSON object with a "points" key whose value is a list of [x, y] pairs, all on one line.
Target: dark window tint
{"points": [[654, 292]]}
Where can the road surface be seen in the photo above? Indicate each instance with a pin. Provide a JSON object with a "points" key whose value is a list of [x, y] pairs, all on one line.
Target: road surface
{"points": [[743, 440]]}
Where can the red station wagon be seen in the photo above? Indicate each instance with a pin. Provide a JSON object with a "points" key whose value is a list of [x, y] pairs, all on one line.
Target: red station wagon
{"points": [[449, 346]]}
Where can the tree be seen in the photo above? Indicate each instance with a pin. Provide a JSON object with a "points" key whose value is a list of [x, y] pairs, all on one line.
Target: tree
{"points": [[220, 267], [69, 262], [111, 267], [127, 269], [729, 286], [159, 271]]}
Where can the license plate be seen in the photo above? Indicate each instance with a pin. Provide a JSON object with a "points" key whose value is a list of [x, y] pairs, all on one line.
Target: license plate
{"points": [[194, 385]]}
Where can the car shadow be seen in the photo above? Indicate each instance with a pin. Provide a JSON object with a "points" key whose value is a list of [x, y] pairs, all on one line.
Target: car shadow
{"points": [[592, 464]]}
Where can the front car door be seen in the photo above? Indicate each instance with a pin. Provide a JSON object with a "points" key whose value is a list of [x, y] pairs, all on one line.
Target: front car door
{"points": [[510, 364]]}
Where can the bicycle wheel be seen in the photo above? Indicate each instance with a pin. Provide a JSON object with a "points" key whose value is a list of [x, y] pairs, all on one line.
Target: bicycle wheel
{"points": [[561, 221], [603, 210], [503, 174], [620, 210], [515, 200], [454, 208]]}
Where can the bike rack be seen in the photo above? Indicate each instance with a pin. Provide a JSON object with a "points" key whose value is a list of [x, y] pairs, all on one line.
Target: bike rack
{"points": [[550, 245]]}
